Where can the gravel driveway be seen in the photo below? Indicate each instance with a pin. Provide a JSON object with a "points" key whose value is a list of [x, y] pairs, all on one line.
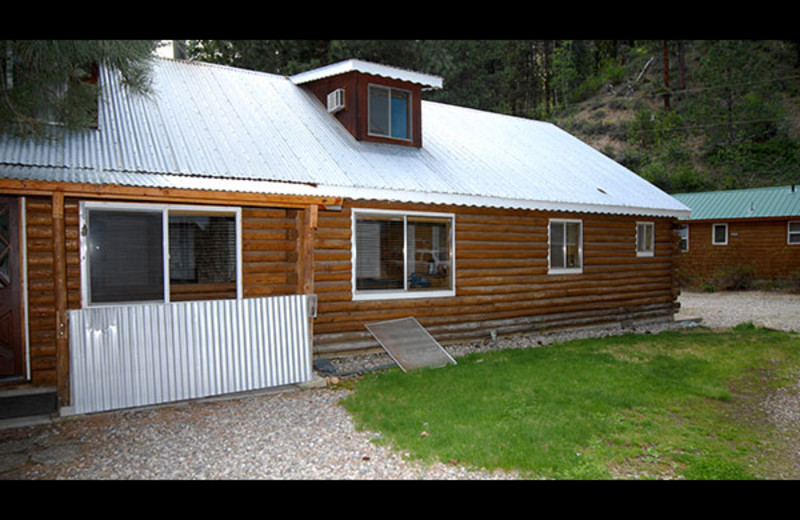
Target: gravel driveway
{"points": [[727, 309], [280, 435]]}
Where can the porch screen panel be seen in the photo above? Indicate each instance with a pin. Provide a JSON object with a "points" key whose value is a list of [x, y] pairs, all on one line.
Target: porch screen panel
{"points": [[125, 256]]}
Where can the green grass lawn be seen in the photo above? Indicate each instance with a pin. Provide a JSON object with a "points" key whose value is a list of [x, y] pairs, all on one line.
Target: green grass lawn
{"points": [[676, 404]]}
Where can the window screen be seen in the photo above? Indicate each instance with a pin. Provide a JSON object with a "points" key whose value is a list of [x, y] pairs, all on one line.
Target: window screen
{"points": [[126, 261]]}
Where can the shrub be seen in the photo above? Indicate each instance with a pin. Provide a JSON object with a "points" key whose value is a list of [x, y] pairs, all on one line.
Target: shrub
{"points": [[737, 278]]}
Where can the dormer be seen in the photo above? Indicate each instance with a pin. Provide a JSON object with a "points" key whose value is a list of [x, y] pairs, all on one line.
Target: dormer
{"points": [[373, 102]]}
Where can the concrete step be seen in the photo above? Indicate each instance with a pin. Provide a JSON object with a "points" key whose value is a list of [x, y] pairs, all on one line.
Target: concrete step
{"points": [[28, 402]]}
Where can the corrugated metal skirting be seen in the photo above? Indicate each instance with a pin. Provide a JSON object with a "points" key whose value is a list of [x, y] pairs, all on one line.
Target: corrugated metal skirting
{"points": [[138, 355]]}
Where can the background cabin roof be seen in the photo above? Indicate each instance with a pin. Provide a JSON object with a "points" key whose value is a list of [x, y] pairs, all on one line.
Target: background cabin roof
{"points": [[777, 201], [220, 128]]}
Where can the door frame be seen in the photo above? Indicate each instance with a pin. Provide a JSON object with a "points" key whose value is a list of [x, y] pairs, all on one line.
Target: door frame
{"points": [[19, 277]]}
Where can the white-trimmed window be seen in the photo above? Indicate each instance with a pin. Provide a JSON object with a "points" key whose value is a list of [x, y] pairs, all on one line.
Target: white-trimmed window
{"points": [[793, 231], [402, 254], [565, 239], [150, 253], [645, 238], [389, 112], [719, 234], [683, 234]]}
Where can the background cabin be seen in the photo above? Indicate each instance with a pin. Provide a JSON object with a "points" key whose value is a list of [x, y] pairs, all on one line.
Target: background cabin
{"points": [[737, 237]]}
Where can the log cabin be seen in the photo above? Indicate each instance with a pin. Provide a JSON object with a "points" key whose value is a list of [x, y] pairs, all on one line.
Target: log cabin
{"points": [[218, 235], [735, 238]]}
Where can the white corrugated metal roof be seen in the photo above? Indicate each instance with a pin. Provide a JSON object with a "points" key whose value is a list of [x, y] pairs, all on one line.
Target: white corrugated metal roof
{"points": [[216, 127], [334, 69]]}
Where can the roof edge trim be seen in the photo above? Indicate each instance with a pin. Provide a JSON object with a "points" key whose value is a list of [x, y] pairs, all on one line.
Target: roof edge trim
{"points": [[366, 67], [498, 202]]}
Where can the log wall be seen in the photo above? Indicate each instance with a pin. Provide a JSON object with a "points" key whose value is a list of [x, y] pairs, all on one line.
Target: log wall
{"points": [[502, 282], [760, 245], [501, 275]]}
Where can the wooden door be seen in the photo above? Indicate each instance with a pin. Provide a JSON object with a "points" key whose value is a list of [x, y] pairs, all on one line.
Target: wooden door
{"points": [[11, 350]]}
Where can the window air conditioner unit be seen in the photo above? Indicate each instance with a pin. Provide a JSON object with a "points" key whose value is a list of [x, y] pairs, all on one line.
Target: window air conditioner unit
{"points": [[336, 101]]}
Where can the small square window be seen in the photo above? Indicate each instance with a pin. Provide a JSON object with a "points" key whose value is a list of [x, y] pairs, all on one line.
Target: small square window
{"points": [[645, 239], [566, 246], [720, 235], [794, 232], [683, 233], [389, 112]]}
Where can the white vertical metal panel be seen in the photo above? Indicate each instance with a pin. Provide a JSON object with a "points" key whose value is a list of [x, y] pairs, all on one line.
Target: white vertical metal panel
{"points": [[136, 355]]}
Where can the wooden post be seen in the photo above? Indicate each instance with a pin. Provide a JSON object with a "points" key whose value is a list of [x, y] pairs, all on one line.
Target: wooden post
{"points": [[310, 215], [60, 292], [306, 258]]}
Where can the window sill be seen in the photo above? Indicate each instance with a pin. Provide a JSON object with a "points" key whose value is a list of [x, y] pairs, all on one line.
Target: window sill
{"points": [[400, 295], [578, 270], [645, 254]]}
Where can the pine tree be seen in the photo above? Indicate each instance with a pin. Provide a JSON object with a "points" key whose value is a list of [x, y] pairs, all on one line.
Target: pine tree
{"points": [[45, 82]]}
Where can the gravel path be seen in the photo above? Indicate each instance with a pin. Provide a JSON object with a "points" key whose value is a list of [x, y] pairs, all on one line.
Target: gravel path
{"points": [[293, 435], [727, 309]]}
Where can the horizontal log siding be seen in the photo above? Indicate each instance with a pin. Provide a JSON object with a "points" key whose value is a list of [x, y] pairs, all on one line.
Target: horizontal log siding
{"points": [[41, 295], [501, 278], [270, 251], [269, 268], [761, 245]]}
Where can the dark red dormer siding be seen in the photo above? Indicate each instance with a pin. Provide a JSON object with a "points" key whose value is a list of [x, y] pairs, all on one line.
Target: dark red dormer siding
{"points": [[354, 116]]}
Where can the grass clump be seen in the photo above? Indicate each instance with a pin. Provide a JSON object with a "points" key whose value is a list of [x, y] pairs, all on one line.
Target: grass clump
{"points": [[635, 406]]}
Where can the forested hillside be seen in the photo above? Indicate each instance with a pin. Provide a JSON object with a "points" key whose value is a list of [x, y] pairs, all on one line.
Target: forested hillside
{"points": [[688, 115]]}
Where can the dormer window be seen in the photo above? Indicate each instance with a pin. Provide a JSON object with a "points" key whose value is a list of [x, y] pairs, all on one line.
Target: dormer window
{"points": [[379, 103], [389, 112]]}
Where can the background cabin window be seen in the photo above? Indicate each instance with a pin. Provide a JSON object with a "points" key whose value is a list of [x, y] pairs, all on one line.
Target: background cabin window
{"points": [[794, 232], [403, 254], [125, 258], [683, 234], [566, 249], [720, 235], [645, 239], [389, 112]]}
